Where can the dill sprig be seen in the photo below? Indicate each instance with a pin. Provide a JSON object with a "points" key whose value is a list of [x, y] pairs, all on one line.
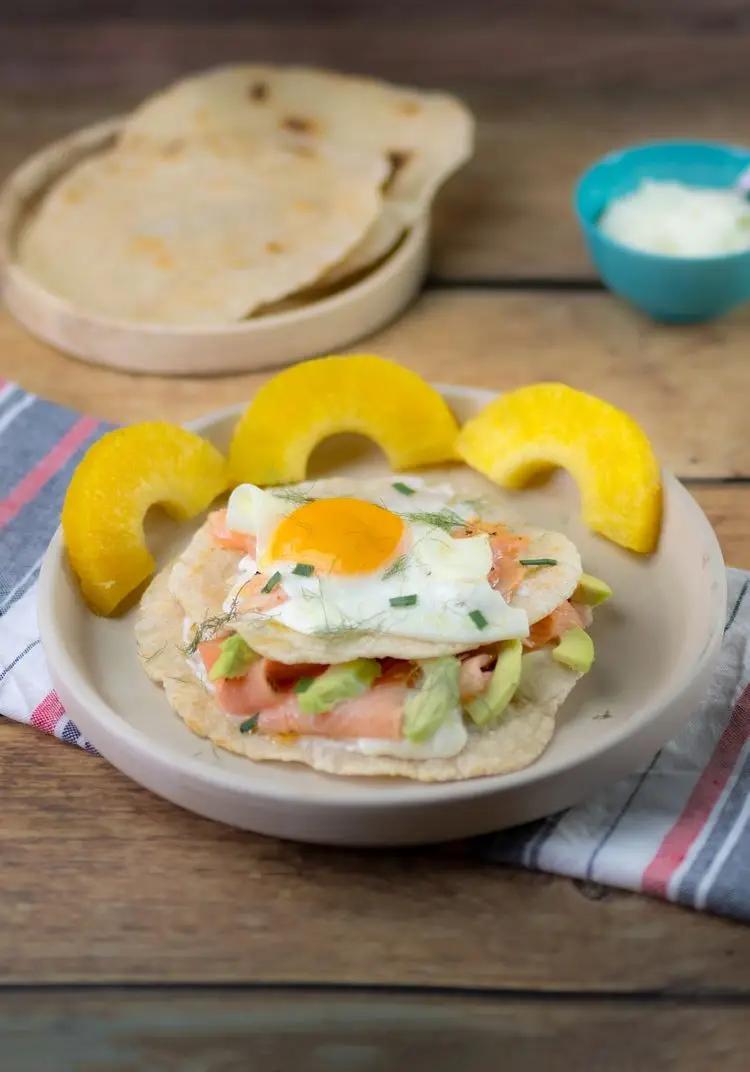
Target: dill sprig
{"points": [[293, 495], [209, 627], [338, 629], [349, 628], [446, 519], [396, 567]]}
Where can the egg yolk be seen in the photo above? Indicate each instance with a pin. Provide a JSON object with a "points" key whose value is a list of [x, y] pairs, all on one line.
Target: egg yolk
{"points": [[338, 536]]}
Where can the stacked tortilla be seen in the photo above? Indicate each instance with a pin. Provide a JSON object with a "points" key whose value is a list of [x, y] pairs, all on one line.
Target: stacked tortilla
{"points": [[241, 188]]}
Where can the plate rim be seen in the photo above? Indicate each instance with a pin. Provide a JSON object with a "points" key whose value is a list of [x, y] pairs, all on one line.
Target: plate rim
{"points": [[400, 793]]}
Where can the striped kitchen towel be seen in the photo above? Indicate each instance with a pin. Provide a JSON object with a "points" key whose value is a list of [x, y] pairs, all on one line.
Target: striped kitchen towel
{"points": [[678, 829], [40, 446]]}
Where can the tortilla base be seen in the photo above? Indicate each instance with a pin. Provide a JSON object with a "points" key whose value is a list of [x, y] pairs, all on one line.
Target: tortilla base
{"points": [[517, 741]]}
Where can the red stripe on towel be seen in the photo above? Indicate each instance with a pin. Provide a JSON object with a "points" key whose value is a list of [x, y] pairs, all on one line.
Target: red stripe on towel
{"points": [[702, 801], [48, 713], [45, 469]]}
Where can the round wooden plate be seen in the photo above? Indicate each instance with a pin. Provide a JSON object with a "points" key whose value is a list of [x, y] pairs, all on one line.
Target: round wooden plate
{"points": [[656, 644], [315, 327]]}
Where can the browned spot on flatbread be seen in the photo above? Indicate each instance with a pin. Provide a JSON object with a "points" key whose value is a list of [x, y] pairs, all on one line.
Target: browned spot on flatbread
{"points": [[173, 147], [298, 124], [274, 247], [259, 91], [409, 107], [153, 249], [398, 159]]}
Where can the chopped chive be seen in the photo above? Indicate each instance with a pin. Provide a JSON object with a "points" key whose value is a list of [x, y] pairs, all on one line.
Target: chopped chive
{"points": [[303, 684], [403, 601], [478, 619], [403, 488], [537, 561], [304, 569], [248, 726], [271, 583]]}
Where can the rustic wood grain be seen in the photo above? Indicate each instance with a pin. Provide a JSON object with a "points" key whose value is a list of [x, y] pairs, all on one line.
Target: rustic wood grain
{"points": [[116, 1030], [687, 386], [104, 882], [728, 509]]}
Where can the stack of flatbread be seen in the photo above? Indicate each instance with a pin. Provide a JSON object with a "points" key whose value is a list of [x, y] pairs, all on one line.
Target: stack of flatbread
{"points": [[238, 189]]}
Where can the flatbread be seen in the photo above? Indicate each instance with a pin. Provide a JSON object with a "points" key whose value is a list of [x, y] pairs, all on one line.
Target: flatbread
{"points": [[200, 232], [380, 238], [522, 735], [422, 137]]}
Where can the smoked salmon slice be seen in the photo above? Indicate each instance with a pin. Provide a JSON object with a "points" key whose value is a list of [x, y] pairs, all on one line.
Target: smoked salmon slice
{"points": [[265, 690], [567, 616], [475, 675], [376, 713], [506, 572], [241, 695], [228, 538], [251, 597]]}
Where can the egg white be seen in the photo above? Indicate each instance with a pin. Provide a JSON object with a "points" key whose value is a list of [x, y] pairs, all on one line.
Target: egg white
{"points": [[447, 576]]}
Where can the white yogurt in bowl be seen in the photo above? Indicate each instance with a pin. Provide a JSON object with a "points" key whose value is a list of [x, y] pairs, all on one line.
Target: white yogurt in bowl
{"points": [[673, 219]]}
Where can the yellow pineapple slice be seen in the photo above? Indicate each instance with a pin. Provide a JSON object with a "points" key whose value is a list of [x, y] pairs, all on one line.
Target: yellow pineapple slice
{"points": [[536, 428], [303, 405], [118, 479]]}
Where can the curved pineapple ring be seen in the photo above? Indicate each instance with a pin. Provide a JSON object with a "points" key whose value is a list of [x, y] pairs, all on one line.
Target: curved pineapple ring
{"points": [[306, 403], [544, 425], [119, 478]]}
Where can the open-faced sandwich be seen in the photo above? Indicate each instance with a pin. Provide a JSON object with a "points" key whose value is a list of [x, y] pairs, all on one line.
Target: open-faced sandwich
{"points": [[390, 626]]}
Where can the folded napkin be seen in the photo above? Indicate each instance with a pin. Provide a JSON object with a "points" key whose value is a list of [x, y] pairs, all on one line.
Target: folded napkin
{"points": [[679, 829]]}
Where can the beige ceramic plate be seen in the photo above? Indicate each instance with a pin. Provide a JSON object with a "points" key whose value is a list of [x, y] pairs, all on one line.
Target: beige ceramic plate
{"points": [[656, 644], [316, 327]]}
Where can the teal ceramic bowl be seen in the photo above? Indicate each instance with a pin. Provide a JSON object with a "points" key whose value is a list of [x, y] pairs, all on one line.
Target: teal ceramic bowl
{"points": [[673, 289]]}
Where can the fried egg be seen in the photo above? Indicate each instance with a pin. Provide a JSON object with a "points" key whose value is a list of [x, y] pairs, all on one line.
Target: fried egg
{"points": [[382, 561]]}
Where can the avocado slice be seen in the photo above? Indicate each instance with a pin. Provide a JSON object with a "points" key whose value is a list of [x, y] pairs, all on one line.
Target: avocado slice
{"points": [[503, 684], [438, 696], [338, 683], [591, 590], [234, 659], [575, 650]]}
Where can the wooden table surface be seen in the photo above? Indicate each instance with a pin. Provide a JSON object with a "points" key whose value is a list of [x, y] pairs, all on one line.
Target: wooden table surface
{"points": [[106, 890]]}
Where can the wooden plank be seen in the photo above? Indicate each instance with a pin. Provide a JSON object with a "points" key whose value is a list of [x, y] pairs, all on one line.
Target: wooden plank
{"points": [[728, 509], [687, 386], [114, 1030], [477, 45], [637, 15], [103, 882], [544, 113]]}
